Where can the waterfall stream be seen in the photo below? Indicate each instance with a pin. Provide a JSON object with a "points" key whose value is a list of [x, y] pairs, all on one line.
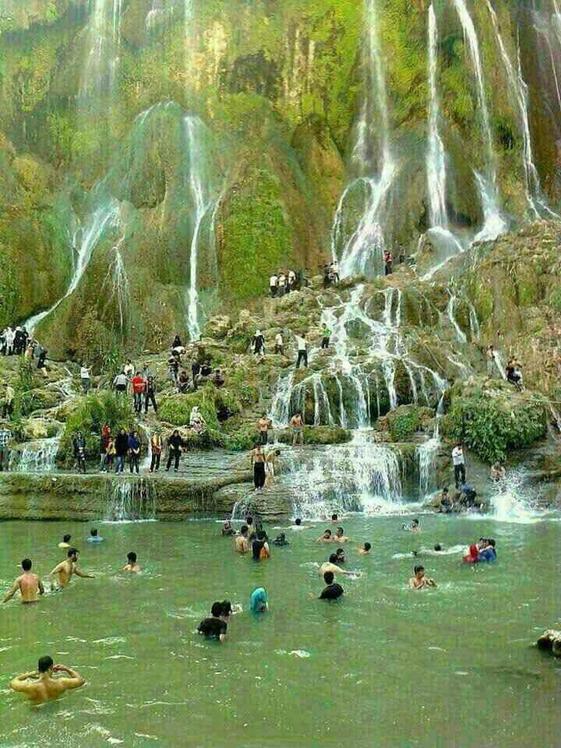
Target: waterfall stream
{"points": [[36, 457], [104, 40], [131, 500]]}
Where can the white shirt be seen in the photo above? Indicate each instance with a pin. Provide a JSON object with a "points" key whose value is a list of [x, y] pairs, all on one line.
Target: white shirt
{"points": [[120, 380], [458, 456], [273, 280], [291, 275], [84, 372], [278, 339], [301, 343], [282, 280]]}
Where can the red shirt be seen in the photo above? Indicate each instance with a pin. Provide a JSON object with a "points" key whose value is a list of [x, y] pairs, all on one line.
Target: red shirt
{"points": [[138, 384]]}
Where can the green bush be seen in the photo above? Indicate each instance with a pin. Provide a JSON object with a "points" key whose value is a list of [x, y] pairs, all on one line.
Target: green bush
{"points": [[404, 422], [491, 426]]}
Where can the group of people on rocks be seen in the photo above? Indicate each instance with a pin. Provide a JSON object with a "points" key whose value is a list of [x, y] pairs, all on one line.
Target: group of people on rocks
{"points": [[201, 372], [282, 282], [14, 341], [258, 345], [331, 275]]}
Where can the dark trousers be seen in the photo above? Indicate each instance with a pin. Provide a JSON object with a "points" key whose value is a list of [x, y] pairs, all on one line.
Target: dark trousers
{"points": [[137, 398], [325, 342], [155, 462], [263, 437], [273, 291], [134, 463], [7, 409], [459, 474], [302, 357], [259, 474], [174, 454], [150, 397]]}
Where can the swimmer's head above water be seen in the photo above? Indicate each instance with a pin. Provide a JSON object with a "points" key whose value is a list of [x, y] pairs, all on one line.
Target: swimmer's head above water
{"points": [[298, 521], [26, 564], [328, 577]]}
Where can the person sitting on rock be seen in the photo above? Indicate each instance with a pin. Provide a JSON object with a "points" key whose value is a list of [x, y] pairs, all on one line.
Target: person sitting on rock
{"points": [[196, 421]]}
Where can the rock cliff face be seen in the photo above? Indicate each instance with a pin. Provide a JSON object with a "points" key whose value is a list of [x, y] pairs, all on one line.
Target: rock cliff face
{"points": [[159, 159]]}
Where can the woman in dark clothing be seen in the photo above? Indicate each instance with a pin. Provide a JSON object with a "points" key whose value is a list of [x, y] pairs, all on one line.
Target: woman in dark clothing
{"points": [[121, 450], [134, 452], [175, 444]]}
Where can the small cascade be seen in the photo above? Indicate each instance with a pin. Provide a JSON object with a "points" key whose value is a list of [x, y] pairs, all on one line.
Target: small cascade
{"points": [[362, 252], [460, 335], [154, 15], [118, 282], [360, 476], [198, 186], [512, 501], [494, 224], [38, 456], [519, 93], [131, 500], [104, 35], [279, 412]]}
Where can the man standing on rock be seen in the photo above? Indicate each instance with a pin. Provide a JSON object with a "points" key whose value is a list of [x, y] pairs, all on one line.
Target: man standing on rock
{"points": [[297, 426], [28, 584], [138, 389], [302, 346], [325, 336], [5, 436], [263, 426], [273, 283], [459, 462]]}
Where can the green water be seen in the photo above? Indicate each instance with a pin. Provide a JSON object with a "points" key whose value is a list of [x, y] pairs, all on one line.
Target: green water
{"points": [[386, 667]]}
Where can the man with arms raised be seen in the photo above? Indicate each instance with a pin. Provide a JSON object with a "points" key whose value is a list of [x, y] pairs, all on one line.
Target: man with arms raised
{"points": [[67, 568], [29, 585], [42, 685]]}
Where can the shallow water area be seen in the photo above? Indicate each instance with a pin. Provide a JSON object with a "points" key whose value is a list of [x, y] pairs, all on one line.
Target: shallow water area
{"points": [[384, 666]]}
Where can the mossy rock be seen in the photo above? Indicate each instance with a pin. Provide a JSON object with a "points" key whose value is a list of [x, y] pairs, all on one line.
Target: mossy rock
{"points": [[318, 435], [406, 420]]}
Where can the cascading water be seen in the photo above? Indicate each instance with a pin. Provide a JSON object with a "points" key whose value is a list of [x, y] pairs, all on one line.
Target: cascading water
{"points": [[460, 334], [118, 282], [362, 253], [494, 223], [36, 457], [104, 41], [131, 499], [519, 93]]}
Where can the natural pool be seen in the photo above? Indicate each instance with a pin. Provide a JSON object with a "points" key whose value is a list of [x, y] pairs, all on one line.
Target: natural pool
{"points": [[383, 667]]}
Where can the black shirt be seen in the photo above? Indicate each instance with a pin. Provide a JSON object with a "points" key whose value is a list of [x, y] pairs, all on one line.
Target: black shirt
{"points": [[331, 592], [256, 547], [212, 628]]}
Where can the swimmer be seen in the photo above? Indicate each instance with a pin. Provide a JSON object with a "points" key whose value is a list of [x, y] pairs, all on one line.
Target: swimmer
{"points": [[230, 610], [281, 540], [298, 525], [241, 541], [259, 600], [335, 518], [332, 591], [65, 541], [66, 569], [438, 548], [420, 581], [28, 584], [326, 537], [260, 547], [94, 537], [413, 527], [340, 553], [227, 528], [251, 532], [131, 564], [331, 566], [340, 536], [41, 685], [214, 627], [365, 549]]}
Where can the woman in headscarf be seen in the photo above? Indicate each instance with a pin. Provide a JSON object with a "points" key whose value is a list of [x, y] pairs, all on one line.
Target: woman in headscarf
{"points": [[259, 600]]}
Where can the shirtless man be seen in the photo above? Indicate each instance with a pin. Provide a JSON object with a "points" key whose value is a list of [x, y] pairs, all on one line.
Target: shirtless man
{"points": [[65, 542], [66, 569], [41, 685], [420, 581], [331, 565], [365, 549], [241, 542], [326, 537], [131, 564], [29, 585], [340, 536]]}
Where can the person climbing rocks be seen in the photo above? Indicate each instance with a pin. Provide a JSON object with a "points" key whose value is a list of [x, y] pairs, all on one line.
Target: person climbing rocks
{"points": [[273, 285], [121, 450], [258, 344], [388, 262], [302, 346], [150, 394], [156, 447], [325, 336], [85, 379], [459, 463], [138, 389], [258, 462], [334, 273], [263, 426], [175, 447], [279, 343], [297, 426], [196, 420], [134, 452]]}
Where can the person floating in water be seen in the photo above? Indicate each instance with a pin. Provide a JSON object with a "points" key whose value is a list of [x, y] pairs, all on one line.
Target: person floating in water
{"points": [[325, 537], [65, 541], [214, 627], [131, 565], [332, 566], [281, 540], [28, 584], [45, 684], [413, 527], [340, 536], [259, 600], [66, 569], [420, 581], [332, 591], [94, 537], [365, 549]]}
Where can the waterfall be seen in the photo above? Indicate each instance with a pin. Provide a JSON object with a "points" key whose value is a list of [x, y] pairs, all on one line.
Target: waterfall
{"points": [[494, 224], [131, 499], [519, 92], [104, 217], [279, 412], [512, 500], [362, 253], [460, 335], [104, 40], [201, 202], [36, 457], [118, 282]]}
